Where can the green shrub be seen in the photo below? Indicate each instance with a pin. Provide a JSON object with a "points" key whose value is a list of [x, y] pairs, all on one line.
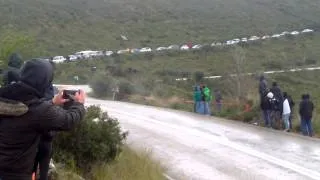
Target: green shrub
{"points": [[102, 85], [91, 142]]}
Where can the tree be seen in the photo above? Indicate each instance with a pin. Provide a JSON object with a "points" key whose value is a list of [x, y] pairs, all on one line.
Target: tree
{"points": [[198, 76], [239, 66], [12, 42]]}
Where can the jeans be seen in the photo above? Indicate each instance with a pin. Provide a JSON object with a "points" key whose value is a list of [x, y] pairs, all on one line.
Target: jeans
{"points": [[207, 110], [285, 118], [267, 118], [306, 127]]}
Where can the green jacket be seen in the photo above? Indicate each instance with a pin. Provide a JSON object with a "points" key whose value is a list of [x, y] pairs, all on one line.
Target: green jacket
{"points": [[197, 96], [207, 94]]}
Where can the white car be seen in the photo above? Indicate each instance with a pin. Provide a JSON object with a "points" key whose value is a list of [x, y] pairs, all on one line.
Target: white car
{"points": [[108, 53], [161, 48], [218, 44], [307, 31], [244, 39], [72, 57], [58, 59], [198, 46], [135, 51], [276, 36], [173, 47], [254, 38], [184, 47], [294, 33], [123, 51], [145, 49], [265, 37]]}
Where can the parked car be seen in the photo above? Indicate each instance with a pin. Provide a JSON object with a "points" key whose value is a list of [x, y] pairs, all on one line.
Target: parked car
{"points": [[295, 33], [72, 57], [123, 51], [266, 37], [244, 39], [173, 47], [134, 51], [145, 49], [184, 47], [58, 59], [108, 53], [161, 48], [198, 46], [307, 31], [254, 38], [276, 36]]}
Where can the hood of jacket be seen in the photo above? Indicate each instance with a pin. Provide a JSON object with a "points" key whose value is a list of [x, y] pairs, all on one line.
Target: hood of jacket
{"points": [[12, 108], [15, 61], [38, 74]]}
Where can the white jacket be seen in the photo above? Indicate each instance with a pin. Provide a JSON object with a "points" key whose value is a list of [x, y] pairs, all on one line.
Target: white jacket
{"points": [[286, 107]]}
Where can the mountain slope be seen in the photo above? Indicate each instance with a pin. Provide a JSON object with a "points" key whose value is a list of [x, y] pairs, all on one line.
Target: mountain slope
{"points": [[62, 26]]}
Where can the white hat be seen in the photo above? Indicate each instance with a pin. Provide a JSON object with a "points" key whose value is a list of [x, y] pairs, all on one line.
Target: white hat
{"points": [[270, 95]]}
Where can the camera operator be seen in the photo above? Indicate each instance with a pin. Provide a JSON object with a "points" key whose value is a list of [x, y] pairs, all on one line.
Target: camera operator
{"points": [[25, 116]]}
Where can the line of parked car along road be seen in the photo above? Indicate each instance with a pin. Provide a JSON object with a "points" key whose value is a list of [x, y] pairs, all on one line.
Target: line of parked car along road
{"points": [[89, 54]]}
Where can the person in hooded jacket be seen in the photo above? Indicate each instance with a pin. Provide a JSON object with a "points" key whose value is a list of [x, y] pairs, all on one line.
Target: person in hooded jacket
{"points": [[306, 111], [12, 74], [278, 105], [25, 116], [263, 87], [44, 153], [266, 107]]}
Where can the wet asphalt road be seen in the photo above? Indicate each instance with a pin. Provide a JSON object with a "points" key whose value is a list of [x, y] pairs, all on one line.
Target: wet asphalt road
{"points": [[200, 147], [206, 148]]}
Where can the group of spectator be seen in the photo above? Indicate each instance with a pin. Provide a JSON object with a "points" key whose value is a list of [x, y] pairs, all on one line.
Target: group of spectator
{"points": [[202, 97], [30, 114], [278, 108]]}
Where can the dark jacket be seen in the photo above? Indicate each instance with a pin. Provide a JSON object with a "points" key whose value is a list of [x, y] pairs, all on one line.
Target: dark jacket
{"points": [[306, 109], [263, 87], [266, 103], [20, 131], [12, 74]]}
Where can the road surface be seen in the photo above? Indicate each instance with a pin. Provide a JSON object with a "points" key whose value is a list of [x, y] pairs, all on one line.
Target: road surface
{"points": [[200, 147], [206, 148]]}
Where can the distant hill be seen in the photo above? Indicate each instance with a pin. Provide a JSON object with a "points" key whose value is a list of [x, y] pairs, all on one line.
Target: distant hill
{"points": [[63, 26]]}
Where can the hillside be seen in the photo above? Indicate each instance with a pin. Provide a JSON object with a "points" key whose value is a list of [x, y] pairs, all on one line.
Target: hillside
{"points": [[64, 26]]}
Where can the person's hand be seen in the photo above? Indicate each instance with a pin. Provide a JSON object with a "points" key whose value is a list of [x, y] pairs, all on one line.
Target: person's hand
{"points": [[58, 99], [80, 97]]}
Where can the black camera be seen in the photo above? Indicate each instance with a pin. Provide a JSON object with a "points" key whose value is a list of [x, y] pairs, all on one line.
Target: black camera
{"points": [[69, 94]]}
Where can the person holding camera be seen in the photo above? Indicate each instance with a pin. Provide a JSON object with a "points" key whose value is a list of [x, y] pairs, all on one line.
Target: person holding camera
{"points": [[25, 116]]}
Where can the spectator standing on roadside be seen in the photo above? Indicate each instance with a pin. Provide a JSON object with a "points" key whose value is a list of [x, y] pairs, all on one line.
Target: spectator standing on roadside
{"points": [[286, 111], [266, 106], [263, 87], [197, 98], [278, 104], [218, 99], [207, 97], [306, 111], [291, 103], [29, 116], [44, 153]]}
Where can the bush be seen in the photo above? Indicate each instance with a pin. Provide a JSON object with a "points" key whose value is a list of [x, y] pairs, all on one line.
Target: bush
{"points": [[273, 65], [90, 143], [102, 85]]}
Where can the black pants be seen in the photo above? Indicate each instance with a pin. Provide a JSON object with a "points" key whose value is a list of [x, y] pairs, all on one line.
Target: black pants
{"points": [[43, 159]]}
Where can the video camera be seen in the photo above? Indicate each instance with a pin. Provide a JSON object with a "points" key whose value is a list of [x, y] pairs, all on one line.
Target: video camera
{"points": [[69, 94]]}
